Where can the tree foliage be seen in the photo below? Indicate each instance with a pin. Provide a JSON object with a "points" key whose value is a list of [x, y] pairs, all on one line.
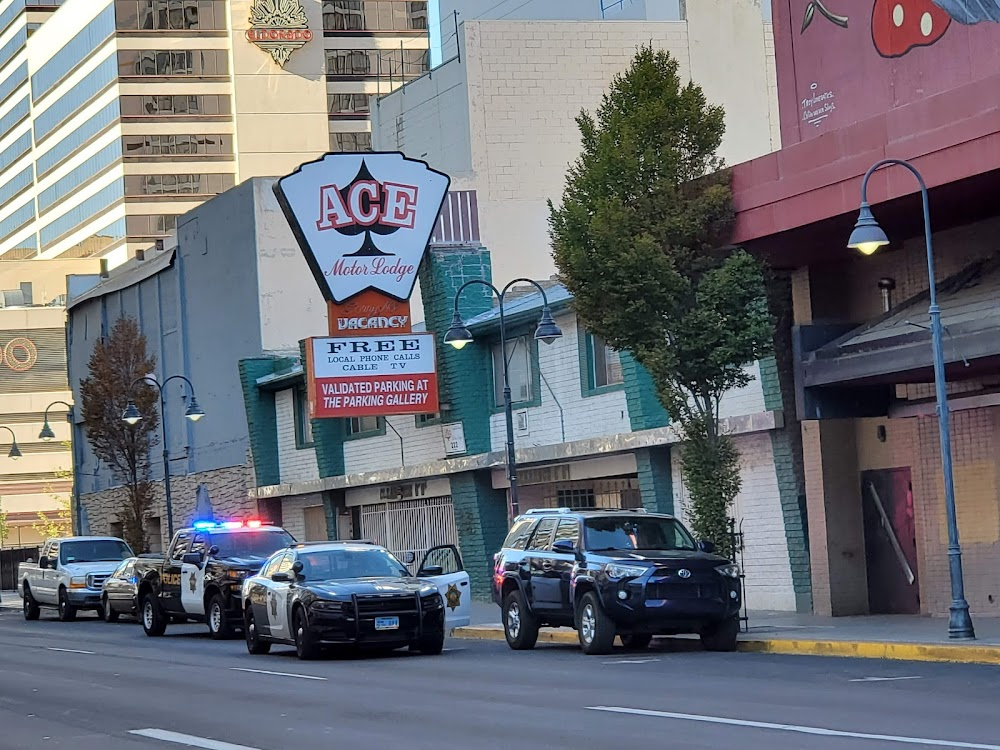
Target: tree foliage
{"points": [[117, 362], [640, 240], [56, 523], [4, 528]]}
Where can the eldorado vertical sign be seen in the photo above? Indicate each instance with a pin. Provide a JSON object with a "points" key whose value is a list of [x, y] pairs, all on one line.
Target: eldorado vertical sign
{"points": [[363, 222]]}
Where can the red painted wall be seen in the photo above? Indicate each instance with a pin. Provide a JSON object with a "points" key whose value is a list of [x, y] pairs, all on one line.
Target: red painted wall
{"points": [[843, 61]]}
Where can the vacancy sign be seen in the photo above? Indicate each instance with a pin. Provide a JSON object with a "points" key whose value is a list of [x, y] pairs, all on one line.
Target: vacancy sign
{"points": [[363, 220], [372, 376]]}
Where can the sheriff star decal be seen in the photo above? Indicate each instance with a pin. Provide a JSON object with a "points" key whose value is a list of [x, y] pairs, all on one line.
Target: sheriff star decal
{"points": [[454, 597], [193, 584]]}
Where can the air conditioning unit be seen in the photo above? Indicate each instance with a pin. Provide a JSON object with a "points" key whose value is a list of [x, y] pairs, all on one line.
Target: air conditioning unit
{"points": [[521, 422]]}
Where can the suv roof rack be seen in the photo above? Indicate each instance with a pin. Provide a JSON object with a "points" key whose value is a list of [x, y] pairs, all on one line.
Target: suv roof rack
{"points": [[545, 511]]}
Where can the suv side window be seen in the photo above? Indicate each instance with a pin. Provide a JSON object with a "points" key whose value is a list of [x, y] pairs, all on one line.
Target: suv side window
{"points": [[519, 534], [201, 544], [542, 537], [180, 546], [568, 529]]}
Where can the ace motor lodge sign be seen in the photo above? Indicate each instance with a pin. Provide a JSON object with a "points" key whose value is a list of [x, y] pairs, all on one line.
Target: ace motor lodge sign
{"points": [[363, 221], [380, 375]]}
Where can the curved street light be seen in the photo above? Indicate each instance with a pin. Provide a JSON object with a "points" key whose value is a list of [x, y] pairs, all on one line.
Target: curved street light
{"points": [[133, 416], [458, 335], [868, 237], [15, 451]]}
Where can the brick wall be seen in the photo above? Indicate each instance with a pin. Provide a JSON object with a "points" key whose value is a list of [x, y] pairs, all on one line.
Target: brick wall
{"points": [[758, 508], [420, 445], [295, 464], [227, 489], [293, 513]]}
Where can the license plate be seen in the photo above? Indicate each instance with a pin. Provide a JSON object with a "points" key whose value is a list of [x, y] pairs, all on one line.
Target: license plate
{"points": [[387, 623]]}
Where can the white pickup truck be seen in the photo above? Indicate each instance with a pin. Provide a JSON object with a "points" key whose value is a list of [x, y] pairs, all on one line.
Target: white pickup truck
{"points": [[70, 574]]}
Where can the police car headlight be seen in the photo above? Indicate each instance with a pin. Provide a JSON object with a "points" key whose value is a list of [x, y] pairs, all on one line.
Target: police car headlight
{"points": [[432, 602], [239, 575], [326, 606]]}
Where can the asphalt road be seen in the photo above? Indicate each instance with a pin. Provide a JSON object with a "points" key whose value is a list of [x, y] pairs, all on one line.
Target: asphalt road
{"points": [[112, 688]]}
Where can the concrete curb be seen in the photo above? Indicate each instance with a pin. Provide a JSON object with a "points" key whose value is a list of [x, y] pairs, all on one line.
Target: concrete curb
{"points": [[926, 652]]}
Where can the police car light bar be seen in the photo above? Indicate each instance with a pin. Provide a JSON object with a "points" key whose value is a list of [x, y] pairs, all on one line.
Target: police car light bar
{"points": [[250, 524]]}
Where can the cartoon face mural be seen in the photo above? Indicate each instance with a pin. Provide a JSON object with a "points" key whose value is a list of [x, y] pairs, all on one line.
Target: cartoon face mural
{"points": [[839, 63]]}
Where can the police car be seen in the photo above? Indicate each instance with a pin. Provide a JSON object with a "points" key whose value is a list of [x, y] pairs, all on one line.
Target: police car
{"points": [[201, 576], [355, 594]]}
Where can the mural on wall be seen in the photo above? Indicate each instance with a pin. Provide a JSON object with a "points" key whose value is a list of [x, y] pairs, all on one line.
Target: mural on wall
{"points": [[855, 58]]}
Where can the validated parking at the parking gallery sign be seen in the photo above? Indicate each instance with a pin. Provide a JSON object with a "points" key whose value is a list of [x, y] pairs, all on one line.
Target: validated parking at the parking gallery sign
{"points": [[379, 375]]}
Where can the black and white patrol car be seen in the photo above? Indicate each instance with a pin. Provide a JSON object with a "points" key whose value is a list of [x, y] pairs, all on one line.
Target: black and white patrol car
{"points": [[356, 594], [201, 576]]}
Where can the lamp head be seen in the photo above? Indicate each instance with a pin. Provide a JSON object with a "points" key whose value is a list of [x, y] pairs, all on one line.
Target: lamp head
{"points": [[867, 236], [457, 335], [46, 434], [194, 412], [15, 452], [547, 330], [131, 414]]}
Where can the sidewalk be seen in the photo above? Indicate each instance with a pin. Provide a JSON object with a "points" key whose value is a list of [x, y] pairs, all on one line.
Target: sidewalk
{"points": [[907, 638], [9, 600]]}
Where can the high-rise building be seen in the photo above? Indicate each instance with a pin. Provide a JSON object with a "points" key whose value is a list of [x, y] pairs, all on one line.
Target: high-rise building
{"points": [[117, 116]]}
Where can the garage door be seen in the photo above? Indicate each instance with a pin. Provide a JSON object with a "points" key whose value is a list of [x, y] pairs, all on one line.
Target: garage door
{"points": [[410, 525]]}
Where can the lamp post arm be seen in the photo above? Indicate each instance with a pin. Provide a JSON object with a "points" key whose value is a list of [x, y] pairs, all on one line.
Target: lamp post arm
{"points": [[147, 381], [13, 437], [190, 385], [55, 403]]}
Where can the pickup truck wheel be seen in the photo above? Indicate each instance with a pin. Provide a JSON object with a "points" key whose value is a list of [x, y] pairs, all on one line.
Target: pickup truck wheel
{"points": [[110, 614], [219, 625], [520, 626], [31, 608], [722, 636], [596, 630], [154, 622], [255, 644], [67, 612], [305, 647]]}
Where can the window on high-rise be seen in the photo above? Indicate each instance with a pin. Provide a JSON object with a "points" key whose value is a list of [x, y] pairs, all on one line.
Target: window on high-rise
{"points": [[371, 64], [352, 142], [173, 62], [374, 15], [173, 146], [176, 105], [171, 15], [177, 184]]}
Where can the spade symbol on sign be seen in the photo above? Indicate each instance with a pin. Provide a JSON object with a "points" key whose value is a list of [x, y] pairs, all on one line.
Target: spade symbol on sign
{"points": [[368, 247]]}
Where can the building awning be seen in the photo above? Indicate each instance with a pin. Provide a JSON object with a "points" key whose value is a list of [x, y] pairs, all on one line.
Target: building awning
{"points": [[896, 348]]}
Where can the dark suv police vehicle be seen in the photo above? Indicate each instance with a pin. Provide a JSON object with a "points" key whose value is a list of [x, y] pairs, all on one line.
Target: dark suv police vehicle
{"points": [[613, 572]]}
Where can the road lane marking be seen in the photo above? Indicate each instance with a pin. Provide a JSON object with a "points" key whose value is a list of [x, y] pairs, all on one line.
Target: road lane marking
{"points": [[883, 679], [71, 651], [188, 740], [278, 674], [630, 661], [794, 728]]}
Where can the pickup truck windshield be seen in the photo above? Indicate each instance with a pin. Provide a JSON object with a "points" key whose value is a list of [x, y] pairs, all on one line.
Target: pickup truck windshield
{"points": [[98, 550], [636, 533], [350, 563], [238, 544]]}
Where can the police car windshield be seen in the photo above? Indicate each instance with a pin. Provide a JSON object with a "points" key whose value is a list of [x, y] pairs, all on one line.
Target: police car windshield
{"points": [[241, 544], [333, 565], [636, 533], [96, 550]]}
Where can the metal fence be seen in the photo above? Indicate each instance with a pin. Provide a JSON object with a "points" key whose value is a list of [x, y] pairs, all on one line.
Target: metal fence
{"points": [[9, 560]]}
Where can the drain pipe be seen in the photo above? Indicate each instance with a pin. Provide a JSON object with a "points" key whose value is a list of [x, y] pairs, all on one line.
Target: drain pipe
{"points": [[562, 420]]}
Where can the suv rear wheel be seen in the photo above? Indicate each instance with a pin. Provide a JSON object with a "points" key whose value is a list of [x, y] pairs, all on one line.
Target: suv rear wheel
{"points": [[721, 636], [519, 625], [596, 630]]}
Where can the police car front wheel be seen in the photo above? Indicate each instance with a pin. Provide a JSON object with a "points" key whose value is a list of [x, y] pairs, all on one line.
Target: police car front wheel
{"points": [[255, 644], [219, 623], [154, 622]]}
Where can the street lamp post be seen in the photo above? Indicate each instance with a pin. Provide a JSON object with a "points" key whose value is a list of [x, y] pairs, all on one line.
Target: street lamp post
{"points": [[458, 335], [15, 451], [133, 417], [47, 434], [868, 237]]}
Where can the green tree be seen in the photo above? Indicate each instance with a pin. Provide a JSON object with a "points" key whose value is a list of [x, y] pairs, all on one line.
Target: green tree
{"points": [[640, 240], [4, 529], [117, 362]]}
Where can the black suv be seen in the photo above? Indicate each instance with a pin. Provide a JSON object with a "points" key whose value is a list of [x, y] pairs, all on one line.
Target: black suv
{"points": [[613, 572]]}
